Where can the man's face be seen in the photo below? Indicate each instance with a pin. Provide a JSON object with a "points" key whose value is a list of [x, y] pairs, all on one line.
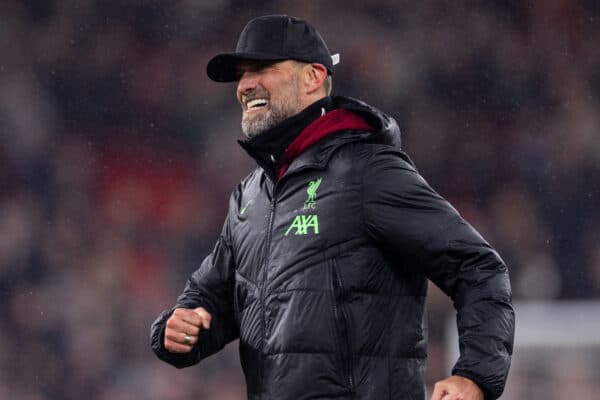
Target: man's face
{"points": [[268, 93]]}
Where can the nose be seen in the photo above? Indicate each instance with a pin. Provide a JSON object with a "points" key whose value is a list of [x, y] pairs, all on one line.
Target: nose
{"points": [[248, 81]]}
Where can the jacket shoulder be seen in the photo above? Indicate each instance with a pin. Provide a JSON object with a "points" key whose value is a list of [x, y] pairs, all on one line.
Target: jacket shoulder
{"points": [[369, 154], [390, 154]]}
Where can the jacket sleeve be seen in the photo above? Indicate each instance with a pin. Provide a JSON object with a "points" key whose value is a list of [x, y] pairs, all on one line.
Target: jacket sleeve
{"points": [[210, 286], [425, 233]]}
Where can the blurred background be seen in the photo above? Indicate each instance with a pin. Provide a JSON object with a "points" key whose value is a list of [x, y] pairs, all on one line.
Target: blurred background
{"points": [[118, 155]]}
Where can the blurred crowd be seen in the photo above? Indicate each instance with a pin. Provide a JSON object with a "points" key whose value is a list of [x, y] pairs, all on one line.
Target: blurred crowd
{"points": [[118, 154]]}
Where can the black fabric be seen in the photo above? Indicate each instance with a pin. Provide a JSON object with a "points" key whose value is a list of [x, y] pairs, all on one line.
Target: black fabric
{"points": [[275, 38], [322, 276]]}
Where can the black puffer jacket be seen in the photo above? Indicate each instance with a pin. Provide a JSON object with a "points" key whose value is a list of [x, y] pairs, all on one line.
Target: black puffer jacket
{"points": [[323, 276]]}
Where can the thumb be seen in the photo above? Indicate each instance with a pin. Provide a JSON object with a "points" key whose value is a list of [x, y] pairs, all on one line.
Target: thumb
{"points": [[439, 392], [204, 315]]}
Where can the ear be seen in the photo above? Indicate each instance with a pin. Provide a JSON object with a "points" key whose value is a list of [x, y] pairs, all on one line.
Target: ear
{"points": [[313, 77]]}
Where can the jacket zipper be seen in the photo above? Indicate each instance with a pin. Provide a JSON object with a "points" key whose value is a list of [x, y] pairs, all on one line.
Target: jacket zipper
{"points": [[264, 282], [340, 313]]}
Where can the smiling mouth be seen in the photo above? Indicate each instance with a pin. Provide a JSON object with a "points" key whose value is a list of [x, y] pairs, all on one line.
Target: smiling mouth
{"points": [[256, 104]]}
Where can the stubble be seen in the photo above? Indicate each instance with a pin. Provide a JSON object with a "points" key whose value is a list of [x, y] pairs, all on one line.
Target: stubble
{"points": [[288, 105]]}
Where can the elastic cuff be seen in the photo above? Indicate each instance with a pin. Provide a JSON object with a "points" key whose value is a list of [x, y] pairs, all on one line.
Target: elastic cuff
{"points": [[487, 393]]}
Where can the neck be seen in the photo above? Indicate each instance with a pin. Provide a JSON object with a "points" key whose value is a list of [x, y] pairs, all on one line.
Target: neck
{"points": [[312, 99]]}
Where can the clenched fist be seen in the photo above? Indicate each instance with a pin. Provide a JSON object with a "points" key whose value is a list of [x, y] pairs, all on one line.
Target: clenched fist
{"points": [[457, 388], [181, 333]]}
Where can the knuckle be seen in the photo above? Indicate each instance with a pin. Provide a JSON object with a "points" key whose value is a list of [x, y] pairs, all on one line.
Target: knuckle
{"points": [[180, 312], [171, 326], [200, 311], [169, 334]]}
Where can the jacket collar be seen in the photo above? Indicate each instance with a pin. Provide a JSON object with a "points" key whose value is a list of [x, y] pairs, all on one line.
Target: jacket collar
{"points": [[269, 147], [333, 122]]}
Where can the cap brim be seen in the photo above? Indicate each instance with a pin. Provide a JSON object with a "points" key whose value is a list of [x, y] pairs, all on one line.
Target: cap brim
{"points": [[225, 67]]}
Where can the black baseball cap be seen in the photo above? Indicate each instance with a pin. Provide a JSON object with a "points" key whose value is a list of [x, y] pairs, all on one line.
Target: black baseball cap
{"points": [[272, 38]]}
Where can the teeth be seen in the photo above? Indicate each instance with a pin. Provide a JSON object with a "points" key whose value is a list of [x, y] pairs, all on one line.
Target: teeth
{"points": [[256, 103]]}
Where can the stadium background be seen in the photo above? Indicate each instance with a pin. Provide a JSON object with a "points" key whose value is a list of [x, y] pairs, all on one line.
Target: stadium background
{"points": [[117, 157]]}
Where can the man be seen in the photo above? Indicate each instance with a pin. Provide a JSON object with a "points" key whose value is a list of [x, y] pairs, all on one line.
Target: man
{"points": [[321, 268]]}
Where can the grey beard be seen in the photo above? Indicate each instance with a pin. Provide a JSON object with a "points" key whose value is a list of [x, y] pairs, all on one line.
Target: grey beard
{"points": [[255, 126], [273, 117]]}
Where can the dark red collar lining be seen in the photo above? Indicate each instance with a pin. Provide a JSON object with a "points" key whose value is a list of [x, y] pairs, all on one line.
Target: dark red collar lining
{"points": [[334, 121]]}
